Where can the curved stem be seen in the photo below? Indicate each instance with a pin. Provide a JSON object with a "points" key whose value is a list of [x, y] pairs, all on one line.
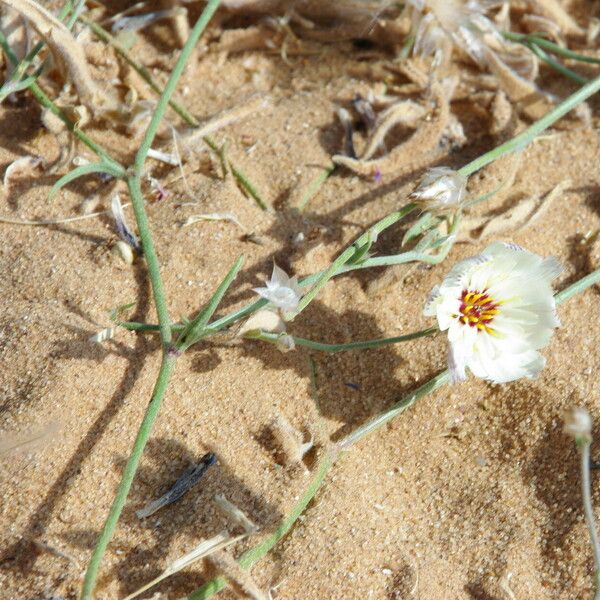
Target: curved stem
{"points": [[169, 357], [158, 291]]}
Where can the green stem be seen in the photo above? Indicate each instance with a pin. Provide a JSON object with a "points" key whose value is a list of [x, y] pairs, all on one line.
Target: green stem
{"points": [[399, 407], [577, 287], [376, 343], [588, 509], [158, 291], [527, 40], [520, 141], [163, 101], [347, 254], [168, 359], [557, 66], [166, 369]]}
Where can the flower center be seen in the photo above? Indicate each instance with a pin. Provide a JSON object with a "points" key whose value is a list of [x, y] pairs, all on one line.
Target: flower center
{"points": [[477, 309]]}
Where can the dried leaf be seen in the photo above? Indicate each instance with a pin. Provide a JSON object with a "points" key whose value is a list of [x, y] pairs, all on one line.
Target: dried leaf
{"points": [[204, 549], [418, 149], [67, 52], [240, 579], [18, 166], [226, 216]]}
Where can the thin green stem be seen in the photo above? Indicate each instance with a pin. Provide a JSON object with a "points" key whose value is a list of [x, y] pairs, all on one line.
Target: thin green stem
{"points": [[333, 348], [239, 175], [577, 287], [158, 291], [349, 253], [169, 357], [557, 66], [166, 370], [528, 40], [196, 329], [41, 97], [169, 90], [525, 137]]}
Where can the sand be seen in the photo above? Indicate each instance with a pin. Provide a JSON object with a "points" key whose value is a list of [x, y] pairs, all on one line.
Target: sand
{"points": [[472, 490]]}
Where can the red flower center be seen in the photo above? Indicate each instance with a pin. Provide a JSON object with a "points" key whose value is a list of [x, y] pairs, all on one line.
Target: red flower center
{"points": [[477, 309]]}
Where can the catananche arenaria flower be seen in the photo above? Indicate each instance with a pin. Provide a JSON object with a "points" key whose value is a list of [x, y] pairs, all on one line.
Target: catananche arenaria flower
{"points": [[282, 291], [499, 310]]}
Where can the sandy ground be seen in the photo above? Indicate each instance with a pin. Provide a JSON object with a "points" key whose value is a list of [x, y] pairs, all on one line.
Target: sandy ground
{"points": [[476, 485]]}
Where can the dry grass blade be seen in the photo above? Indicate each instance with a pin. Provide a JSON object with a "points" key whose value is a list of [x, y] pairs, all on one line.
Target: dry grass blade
{"points": [[190, 140], [214, 217], [206, 548], [68, 54], [240, 580]]}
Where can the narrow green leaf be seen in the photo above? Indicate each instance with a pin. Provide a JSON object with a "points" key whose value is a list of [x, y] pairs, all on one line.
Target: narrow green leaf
{"points": [[195, 329], [81, 171]]}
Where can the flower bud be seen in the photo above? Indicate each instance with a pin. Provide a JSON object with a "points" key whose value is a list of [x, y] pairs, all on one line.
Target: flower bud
{"points": [[441, 190], [578, 424]]}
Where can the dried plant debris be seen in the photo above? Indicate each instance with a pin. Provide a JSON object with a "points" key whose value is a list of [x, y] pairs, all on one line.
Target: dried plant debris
{"points": [[225, 216], [15, 443], [192, 141], [553, 10], [207, 547], [188, 480], [520, 216], [125, 233], [240, 580], [68, 54], [237, 515], [289, 441], [422, 147], [19, 166]]}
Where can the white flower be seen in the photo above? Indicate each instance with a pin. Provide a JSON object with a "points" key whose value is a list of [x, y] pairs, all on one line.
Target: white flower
{"points": [[282, 290], [442, 189], [499, 310]]}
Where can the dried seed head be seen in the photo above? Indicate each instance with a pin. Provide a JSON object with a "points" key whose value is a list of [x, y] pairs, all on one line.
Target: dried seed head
{"points": [[441, 190], [578, 424]]}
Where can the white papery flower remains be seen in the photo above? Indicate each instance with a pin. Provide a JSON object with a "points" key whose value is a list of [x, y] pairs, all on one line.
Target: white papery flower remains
{"points": [[282, 291], [441, 190], [499, 310]]}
